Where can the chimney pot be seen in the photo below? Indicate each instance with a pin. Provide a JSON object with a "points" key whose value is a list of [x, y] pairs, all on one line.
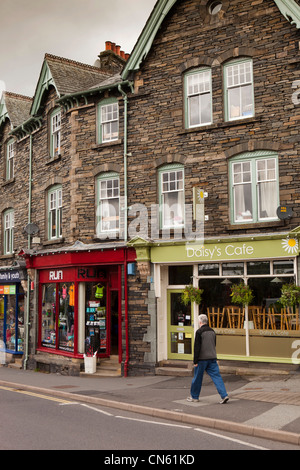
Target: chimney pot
{"points": [[108, 45], [122, 54], [113, 46], [118, 48], [127, 56]]}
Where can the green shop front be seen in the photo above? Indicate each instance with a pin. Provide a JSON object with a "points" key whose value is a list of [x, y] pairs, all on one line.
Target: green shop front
{"points": [[264, 331]]}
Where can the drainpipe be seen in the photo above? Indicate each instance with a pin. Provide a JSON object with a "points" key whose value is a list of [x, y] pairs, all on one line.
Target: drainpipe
{"points": [[126, 315], [125, 98], [27, 323]]}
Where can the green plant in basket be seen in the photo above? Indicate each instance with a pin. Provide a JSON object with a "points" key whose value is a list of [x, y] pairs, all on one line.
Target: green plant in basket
{"points": [[191, 294], [241, 294], [290, 295]]}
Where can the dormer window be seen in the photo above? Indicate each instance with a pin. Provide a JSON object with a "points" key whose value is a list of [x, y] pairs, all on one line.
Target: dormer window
{"points": [[55, 134], [10, 156]]}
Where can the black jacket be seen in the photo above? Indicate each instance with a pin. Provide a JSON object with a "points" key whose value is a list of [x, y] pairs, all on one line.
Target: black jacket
{"points": [[205, 344]]}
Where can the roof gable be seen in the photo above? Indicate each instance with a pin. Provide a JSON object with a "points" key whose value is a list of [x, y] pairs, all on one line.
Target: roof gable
{"points": [[289, 8], [66, 76], [14, 107]]}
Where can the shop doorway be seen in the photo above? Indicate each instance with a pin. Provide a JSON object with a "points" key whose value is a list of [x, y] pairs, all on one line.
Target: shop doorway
{"points": [[114, 323], [180, 327]]}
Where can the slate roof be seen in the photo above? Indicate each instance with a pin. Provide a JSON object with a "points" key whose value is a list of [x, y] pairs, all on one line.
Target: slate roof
{"points": [[18, 107], [71, 76]]}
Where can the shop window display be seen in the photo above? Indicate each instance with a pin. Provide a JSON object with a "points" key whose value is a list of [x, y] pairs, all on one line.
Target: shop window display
{"points": [[12, 321], [58, 316], [95, 318]]}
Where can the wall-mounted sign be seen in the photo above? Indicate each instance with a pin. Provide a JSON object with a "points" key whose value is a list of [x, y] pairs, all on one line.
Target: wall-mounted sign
{"points": [[284, 212]]}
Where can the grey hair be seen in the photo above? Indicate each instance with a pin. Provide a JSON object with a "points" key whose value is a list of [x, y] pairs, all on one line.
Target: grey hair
{"points": [[203, 319]]}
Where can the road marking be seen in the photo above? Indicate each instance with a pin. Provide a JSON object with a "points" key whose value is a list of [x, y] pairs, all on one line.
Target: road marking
{"points": [[37, 395], [96, 409], [220, 436], [155, 422], [231, 439]]}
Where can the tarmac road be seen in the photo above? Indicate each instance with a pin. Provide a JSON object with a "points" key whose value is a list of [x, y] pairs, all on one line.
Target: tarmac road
{"points": [[260, 406]]}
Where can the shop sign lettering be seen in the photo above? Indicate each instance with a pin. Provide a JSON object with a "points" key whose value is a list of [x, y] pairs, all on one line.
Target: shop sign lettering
{"points": [[90, 273], [55, 275], [216, 251]]}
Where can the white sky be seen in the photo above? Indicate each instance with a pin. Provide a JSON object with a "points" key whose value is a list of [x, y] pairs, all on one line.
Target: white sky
{"points": [[74, 29]]}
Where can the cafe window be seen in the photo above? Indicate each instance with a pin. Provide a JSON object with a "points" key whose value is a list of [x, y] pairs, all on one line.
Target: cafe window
{"points": [[180, 275], [265, 278]]}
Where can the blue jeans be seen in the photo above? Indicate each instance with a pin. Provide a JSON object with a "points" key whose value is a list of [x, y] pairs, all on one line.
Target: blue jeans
{"points": [[212, 368]]}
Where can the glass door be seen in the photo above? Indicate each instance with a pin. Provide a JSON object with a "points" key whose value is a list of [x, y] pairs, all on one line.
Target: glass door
{"points": [[180, 327]]}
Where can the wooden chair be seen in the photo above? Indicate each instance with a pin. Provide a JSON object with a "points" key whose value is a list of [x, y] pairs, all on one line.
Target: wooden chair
{"points": [[215, 317], [257, 315], [235, 317], [290, 319], [272, 316]]}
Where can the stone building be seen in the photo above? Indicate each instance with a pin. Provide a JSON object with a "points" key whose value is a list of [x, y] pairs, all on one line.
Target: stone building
{"points": [[214, 124], [141, 175]]}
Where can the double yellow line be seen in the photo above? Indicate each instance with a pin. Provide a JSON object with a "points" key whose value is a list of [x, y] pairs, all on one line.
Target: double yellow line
{"points": [[37, 395]]}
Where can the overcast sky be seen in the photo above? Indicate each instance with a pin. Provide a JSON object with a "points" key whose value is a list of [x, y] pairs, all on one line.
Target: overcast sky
{"points": [[74, 29]]}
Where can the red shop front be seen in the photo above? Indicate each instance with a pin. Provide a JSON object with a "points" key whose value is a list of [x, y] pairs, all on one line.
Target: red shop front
{"points": [[83, 302]]}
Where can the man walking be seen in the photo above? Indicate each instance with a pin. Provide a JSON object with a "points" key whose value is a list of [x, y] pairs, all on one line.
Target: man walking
{"points": [[205, 359]]}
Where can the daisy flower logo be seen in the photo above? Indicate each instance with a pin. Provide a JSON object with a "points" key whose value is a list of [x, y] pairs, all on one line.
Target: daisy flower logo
{"points": [[290, 245]]}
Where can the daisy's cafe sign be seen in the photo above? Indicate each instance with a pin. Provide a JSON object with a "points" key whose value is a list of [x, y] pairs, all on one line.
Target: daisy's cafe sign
{"points": [[227, 250]]}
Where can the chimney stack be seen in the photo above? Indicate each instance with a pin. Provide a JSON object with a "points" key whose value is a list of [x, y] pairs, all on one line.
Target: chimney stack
{"points": [[112, 60]]}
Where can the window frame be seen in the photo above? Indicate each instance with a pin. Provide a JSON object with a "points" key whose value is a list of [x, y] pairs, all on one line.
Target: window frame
{"points": [[8, 231], [253, 158], [232, 63], [162, 171], [188, 96], [105, 178], [10, 159], [54, 212], [112, 137], [55, 133]]}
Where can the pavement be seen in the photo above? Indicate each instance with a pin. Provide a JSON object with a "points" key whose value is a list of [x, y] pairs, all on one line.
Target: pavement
{"points": [[263, 404]]}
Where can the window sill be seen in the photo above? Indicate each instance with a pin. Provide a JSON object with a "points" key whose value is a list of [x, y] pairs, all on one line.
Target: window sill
{"points": [[55, 241], [106, 144], [254, 225], [6, 182], [9, 256], [54, 159], [221, 125]]}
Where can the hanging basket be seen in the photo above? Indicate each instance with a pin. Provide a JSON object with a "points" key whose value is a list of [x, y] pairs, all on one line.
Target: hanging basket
{"points": [[290, 295], [191, 294], [241, 294]]}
